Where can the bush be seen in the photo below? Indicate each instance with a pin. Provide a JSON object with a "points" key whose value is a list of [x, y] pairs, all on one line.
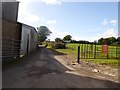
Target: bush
{"points": [[59, 46], [51, 45]]}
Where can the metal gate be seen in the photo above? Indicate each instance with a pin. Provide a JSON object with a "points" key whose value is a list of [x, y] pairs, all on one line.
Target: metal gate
{"points": [[94, 51], [10, 48]]}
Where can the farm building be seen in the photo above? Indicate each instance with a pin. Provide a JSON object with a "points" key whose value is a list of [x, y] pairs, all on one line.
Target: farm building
{"points": [[10, 30], [10, 11], [29, 39], [17, 38]]}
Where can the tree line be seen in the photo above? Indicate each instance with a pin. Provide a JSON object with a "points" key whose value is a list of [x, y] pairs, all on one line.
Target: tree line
{"points": [[44, 32], [109, 41]]}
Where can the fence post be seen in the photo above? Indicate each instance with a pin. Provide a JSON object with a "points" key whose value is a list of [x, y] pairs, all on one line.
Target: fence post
{"points": [[95, 51], [116, 52], [107, 55], [78, 54]]}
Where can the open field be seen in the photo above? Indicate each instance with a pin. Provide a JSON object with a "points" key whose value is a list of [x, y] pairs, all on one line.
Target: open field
{"points": [[90, 51], [87, 52]]}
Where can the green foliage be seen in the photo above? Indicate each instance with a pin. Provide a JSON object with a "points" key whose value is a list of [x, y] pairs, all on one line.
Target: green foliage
{"points": [[58, 40], [109, 41], [56, 45], [80, 41], [51, 46], [43, 32], [59, 46], [67, 38], [118, 40], [100, 41]]}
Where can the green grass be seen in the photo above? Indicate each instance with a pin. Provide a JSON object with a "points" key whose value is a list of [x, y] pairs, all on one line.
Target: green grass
{"points": [[72, 52], [90, 50]]}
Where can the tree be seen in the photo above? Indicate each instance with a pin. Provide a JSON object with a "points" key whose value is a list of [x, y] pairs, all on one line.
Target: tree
{"points": [[67, 38], [112, 40], [100, 41], [118, 40], [109, 41], [43, 32], [58, 40]]}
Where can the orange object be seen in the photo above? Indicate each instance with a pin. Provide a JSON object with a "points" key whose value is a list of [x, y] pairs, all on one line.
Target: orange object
{"points": [[105, 49]]}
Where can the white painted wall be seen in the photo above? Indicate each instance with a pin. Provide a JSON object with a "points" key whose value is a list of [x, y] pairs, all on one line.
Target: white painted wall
{"points": [[28, 33]]}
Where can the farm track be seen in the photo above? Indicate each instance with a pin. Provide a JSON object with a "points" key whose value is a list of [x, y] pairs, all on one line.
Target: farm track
{"points": [[43, 69]]}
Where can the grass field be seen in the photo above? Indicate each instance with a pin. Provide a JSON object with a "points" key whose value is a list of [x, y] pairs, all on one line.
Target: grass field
{"points": [[89, 51], [86, 51]]}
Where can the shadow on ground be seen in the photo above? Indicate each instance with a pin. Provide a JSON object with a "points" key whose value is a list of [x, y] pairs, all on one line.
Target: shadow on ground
{"points": [[41, 70]]}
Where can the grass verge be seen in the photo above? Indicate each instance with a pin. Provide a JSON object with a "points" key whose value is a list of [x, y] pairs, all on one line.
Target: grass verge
{"points": [[110, 62]]}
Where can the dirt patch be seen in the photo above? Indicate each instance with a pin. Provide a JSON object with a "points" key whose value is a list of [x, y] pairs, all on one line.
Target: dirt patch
{"points": [[101, 71]]}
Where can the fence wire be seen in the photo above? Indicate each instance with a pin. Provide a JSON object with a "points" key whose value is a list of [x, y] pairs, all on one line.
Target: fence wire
{"points": [[92, 51]]}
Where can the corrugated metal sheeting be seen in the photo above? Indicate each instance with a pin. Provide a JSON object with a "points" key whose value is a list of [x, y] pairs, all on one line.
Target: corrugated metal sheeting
{"points": [[10, 11], [0, 10], [29, 39], [17, 38]]}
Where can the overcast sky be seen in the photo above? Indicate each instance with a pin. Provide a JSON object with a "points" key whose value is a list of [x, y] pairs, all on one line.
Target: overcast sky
{"points": [[82, 20]]}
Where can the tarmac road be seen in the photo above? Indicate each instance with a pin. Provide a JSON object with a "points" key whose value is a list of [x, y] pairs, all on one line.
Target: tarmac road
{"points": [[41, 70]]}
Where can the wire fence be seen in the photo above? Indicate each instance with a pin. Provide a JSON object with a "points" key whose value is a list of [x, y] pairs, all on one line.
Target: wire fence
{"points": [[10, 48], [93, 51]]}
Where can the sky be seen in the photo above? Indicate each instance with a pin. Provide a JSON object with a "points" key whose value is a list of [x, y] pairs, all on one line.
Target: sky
{"points": [[82, 20]]}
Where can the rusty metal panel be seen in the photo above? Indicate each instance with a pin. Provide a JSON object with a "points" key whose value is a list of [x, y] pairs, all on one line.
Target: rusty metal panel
{"points": [[11, 35], [10, 11]]}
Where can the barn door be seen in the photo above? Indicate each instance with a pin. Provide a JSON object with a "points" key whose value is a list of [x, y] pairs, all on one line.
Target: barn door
{"points": [[28, 44]]}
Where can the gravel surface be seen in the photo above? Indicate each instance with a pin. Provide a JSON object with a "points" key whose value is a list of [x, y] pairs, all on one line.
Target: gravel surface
{"points": [[105, 71], [43, 69]]}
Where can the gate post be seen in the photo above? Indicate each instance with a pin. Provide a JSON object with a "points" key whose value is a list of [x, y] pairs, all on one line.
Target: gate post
{"points": [[78, 54], [95, 51]]}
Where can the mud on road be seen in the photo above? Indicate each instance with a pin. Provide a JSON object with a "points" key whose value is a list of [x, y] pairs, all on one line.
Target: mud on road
{"points": [[43, 69]]}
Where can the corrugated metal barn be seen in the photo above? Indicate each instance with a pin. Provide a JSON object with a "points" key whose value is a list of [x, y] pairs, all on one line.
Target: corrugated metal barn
{"points": [[29, 39], [10, 30], [17, 38]]}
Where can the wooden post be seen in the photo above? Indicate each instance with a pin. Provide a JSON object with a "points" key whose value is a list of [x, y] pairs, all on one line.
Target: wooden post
{"points": [[95, 52], [116, 52], [107, 55], [78, 54]]}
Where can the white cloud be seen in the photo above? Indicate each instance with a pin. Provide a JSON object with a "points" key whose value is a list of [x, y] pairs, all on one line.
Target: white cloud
{"points": [[113, 22], [29, 17], [91, 39], [51, 22], [52, 2], [25, 16], [57, 33], [105, 22], [109, 33]]}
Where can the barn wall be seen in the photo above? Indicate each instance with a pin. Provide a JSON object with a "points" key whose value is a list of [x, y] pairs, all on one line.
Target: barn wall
{"points": [[0, 30], [28, 39], [24, 39], [11, 35], [10, 11], [11, 30]]}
